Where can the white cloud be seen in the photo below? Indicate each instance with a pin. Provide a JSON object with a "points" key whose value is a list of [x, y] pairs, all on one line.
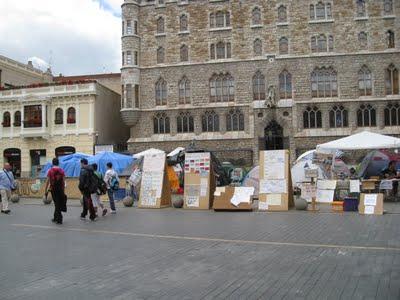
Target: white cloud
{"points": [[115, 5], [82, 36]]}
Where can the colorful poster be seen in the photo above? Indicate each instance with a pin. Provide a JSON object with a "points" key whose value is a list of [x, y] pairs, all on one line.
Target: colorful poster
{"points": [[198, 163]]}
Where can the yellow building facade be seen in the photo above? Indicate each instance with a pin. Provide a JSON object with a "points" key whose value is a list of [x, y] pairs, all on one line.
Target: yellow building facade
{"points": [[39, 123]]}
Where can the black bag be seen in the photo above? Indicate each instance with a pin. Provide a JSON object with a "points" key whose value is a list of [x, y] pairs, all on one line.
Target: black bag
{"points": [[92, 182], [64, 203]]}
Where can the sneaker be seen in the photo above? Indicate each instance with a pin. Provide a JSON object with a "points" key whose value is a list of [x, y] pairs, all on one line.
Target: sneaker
{"points": [[104, 212], [94, 219], [113, 212], [83, 218], [6, 211]]}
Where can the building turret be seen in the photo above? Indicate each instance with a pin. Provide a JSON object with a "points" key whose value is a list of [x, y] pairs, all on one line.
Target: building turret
{"points": [[130, 72]]}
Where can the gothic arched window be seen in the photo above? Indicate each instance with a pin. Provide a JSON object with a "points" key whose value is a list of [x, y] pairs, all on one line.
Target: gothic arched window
{"points": [[365, 81], [184, 123], [184, 91], [161, 92], [324, 83], [312, 118], [235, 120], [59, 116], [161, 123], [258, 86], [210, 121], [392, 114], [366, 116], [338, 117], [285, 85], [392, 80]]}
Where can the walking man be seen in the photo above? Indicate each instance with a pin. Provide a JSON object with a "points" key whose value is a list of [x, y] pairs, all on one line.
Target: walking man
{"points": [[7, 183], [112, 181], [56, 181], [96, 196], [87, 186]]}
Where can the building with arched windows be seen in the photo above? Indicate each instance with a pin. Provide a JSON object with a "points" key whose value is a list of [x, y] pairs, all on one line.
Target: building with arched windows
{"points": [[242, 76], [41, 121]]}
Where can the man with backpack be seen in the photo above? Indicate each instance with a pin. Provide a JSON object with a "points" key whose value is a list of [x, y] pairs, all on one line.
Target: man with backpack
{"points": [[101, 190], [7, 184], [112, 181], [56, 181], [87, 186]]}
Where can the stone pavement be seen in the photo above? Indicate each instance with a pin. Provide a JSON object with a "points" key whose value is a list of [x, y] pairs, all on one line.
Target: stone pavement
{"points": [[177, 254]]}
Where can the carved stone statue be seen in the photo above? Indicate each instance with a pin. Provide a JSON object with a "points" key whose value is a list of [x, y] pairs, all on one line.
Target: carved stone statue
{"points": [[271, 98]]}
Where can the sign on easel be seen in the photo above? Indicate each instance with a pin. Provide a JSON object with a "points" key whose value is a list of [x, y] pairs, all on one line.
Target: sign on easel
{"points": [[275, 181], [154, 188], [199, 181]]}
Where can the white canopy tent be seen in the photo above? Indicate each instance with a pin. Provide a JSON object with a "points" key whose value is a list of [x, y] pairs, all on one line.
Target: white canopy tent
{"points": [[147, 152], [360, 141]]}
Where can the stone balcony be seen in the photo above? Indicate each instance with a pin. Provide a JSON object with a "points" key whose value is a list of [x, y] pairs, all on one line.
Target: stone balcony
{"points": [[130, 116]]}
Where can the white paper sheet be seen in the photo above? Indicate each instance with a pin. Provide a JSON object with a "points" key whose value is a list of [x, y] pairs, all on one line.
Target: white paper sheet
{"points": [[242, 195], [273, 186], [325, 196], [308, 191], [274, 164], [192, 201], [370, 199], [354, 186], [274, 199], [262, 205], [203, 187], [219, 190], [151, 187], [326, 184], [154, 162], [386, 185], [369, 210], [192, 190]]}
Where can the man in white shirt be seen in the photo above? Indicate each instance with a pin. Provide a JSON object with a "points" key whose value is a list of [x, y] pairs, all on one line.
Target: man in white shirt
{"points": [[112, 181], [7, 183]]}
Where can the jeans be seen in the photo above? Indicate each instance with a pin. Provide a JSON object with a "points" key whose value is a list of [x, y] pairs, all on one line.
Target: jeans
{"points": [[58, 199], [88, 205], [110, 193]]}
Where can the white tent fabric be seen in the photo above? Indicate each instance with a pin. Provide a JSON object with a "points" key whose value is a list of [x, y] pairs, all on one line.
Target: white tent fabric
{"points": [[362, 140], [175, 151], [147, 152]]}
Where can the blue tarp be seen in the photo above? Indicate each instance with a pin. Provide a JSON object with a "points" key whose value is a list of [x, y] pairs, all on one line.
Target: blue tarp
{"points": [[71, 164], [119, 161]]}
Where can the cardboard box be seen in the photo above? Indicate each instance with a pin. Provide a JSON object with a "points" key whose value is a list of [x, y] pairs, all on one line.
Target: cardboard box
{"points": [[371, 204], [337, 206], [222, 200]]}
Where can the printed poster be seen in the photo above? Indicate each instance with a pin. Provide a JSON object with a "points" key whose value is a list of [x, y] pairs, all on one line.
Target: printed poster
{"points": [[273, 186], [198, 163]]}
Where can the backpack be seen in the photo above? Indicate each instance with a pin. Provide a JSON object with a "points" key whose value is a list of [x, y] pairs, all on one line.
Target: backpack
{"points": [[91, 182], [114, 183]]}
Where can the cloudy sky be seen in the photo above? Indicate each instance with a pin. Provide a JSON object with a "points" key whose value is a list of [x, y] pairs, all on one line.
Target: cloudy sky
{"points": [[74, 36]]}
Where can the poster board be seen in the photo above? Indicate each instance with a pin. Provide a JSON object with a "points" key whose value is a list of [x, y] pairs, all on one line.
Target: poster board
{"points": [[275, 192], [155, 191], [227, 198], [199, 181]]}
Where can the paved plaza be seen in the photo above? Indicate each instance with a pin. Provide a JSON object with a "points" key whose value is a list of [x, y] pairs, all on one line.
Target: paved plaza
{"points": [[178, 254]]}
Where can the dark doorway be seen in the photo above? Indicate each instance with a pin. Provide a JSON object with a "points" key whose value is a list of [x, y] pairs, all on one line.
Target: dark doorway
{"points": [[273, 135], [65, 150], [13, 157], [38, 160]]}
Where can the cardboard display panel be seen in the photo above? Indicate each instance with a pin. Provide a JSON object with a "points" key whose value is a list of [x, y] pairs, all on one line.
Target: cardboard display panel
{"points": [[233, 198], [155, 191], [275, 192], [371, 204], [199, 181]]}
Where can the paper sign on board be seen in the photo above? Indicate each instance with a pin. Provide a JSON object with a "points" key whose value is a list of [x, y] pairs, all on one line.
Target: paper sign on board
{"points": [[326, 184], [354, 186], [325, 196], [370, 199], [203, 187], [369, 210], [192, 201], [274, 199], [273, 186]]}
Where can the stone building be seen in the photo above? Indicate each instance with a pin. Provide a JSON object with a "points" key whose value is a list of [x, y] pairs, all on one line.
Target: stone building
{"points": [[240, 76], [14, 73], [54, 119]]}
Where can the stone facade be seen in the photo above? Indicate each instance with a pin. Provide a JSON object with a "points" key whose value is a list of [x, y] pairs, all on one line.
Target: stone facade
{"points": [[42, 122], [155, 25]]}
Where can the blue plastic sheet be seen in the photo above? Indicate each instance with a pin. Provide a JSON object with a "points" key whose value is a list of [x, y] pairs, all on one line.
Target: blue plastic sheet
{"points": [[71, 164]]}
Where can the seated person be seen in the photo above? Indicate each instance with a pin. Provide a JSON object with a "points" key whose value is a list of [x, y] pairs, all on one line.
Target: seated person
{"points": [[390, 173], [353, 174]]}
